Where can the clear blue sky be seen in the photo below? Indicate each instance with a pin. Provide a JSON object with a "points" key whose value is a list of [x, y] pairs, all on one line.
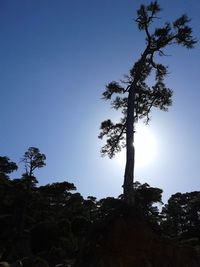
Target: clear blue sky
{"points": [[55, 59]]}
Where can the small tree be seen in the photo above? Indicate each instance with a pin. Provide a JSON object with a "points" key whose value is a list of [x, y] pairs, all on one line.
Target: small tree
{"points": [[135, 98], [33, 159]]}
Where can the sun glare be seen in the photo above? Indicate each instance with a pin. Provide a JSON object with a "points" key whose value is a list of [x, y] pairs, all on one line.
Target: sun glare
{"points": [[145, 148]]}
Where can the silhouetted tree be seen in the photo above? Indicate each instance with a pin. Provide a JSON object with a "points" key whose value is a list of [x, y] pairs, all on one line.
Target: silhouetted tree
{"points": [[6, 196], [6, 167], [53, 199], [135, 97], [182, 215], [33, 159], [146, 199]]}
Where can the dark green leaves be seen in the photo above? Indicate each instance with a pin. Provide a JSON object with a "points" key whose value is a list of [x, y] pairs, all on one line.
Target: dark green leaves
{"points": [[181, 21], [153, 7], [7, 166], [146, 14], [184, 32], [111, 88], [115, 137], [182, 215], [161, 72], [119, 102]]}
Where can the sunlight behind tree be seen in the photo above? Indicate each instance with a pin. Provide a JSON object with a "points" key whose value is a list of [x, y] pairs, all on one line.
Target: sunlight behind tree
{"points": [[145, 146]]}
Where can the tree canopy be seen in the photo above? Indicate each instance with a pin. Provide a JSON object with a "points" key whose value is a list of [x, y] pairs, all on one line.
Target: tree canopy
{"points": [[135, 96]]}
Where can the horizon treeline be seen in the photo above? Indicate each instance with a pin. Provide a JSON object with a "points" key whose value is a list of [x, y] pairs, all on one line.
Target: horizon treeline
{"points": [[55, 219]]}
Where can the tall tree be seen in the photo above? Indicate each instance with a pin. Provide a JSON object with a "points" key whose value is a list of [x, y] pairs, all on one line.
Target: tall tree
{"points": [[32, 159], [135, 97]]}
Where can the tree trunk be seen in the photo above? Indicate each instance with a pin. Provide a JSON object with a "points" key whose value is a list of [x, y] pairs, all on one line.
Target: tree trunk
{"points": [[130, 123], [130, 151]]}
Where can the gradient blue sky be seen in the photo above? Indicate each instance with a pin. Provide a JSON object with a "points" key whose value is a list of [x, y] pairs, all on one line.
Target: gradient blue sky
{"points": [[55, 59]]}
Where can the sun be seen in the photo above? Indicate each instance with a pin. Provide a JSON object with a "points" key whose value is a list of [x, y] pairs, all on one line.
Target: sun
{"points": [[145, 148]]}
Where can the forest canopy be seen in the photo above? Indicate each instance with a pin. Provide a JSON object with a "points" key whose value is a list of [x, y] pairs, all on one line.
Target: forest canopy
{"points": [[57, 217]]}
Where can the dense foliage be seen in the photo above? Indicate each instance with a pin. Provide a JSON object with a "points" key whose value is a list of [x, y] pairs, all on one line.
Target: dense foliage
{"points": [[53, 221]]}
